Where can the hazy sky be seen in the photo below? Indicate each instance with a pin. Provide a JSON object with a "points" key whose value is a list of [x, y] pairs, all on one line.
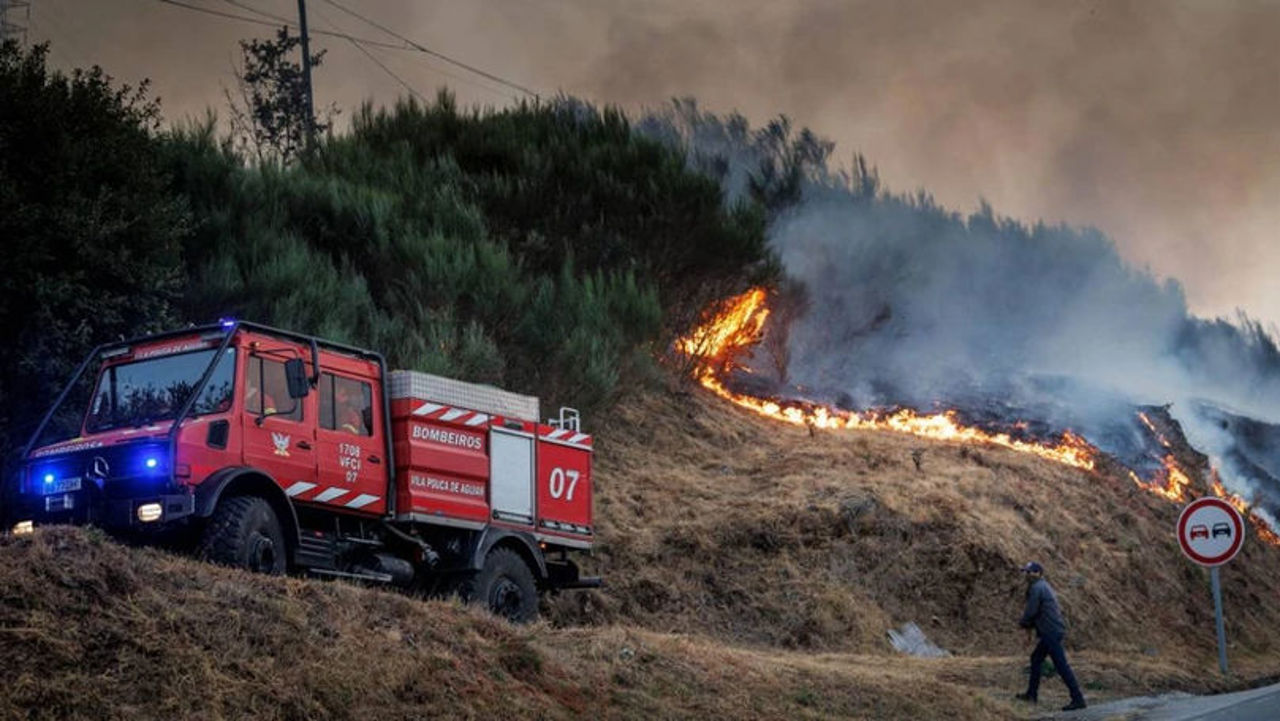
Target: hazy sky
{"points": [[1158, 122]]}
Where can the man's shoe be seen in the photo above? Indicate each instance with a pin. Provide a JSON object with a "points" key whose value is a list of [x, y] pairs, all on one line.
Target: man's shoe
{"points": [[1075, 705], [1026, 697]]}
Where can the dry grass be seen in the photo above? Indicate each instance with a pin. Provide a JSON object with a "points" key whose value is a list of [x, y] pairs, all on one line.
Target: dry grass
{"points": [[753, 572], [93, 630], [715, 522]]}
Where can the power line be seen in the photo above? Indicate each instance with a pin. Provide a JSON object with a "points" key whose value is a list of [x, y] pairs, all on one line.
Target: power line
{"points": [[434, 67], [387, 70], [282, 21], [359, 44], [423, 49], [219, 13], [408, 45], [263, 13]]}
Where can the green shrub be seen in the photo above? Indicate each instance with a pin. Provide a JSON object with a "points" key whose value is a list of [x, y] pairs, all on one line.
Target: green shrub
{"points": [[527, 247], [92, 236]]}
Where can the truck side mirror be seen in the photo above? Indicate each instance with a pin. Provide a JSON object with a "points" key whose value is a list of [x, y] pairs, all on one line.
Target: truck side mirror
{"points": [[295, 373]]}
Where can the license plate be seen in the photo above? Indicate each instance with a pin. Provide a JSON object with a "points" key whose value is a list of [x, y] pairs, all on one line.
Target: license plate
{"points": [[62, 485]]}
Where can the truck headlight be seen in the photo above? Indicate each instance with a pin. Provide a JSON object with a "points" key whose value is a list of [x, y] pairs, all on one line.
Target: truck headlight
{"points": [[23, 528], [149, 512]]}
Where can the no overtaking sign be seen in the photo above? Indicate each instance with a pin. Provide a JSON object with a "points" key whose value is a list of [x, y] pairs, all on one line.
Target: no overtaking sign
{"points": [[1210, 531]]}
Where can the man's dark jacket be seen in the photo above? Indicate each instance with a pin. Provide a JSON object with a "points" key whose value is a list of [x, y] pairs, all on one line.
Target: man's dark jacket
{"points": [[1042, 612]]}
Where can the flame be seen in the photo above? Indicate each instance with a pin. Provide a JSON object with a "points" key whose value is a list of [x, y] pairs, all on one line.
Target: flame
{"points": [[738, 324], [1240, 504], [1174, 483], [1152, 427], [1263, 530], [1260, 525], [1171, 483]]}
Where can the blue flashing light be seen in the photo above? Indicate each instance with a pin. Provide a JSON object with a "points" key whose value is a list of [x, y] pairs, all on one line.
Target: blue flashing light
{"points": [[48, 478], [151, 463], [227, 323]]}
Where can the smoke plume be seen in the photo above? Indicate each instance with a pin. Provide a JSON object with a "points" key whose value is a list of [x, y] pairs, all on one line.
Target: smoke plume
{"points": [[911, 304], [1152, 120]]}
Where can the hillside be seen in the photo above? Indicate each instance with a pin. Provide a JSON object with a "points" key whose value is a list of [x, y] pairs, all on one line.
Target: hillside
{"points": [[714, 521], [753, 569], [753, 572], [97, 631]]}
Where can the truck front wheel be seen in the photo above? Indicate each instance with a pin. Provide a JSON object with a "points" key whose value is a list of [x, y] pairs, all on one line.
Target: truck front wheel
{"points": [[505, 586], [244, 533]]}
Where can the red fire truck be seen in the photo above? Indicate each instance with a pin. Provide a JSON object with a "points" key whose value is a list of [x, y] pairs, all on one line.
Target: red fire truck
{"points": [[272, 451]]}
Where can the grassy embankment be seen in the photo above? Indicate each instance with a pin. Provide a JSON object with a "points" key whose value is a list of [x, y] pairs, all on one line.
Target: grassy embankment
{"points": [[753, 572]]}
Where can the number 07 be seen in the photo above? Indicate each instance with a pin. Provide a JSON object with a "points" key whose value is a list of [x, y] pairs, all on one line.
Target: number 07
{"points": [[557, 483]]}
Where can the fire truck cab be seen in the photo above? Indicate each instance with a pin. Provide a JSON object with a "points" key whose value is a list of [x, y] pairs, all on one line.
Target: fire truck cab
{"points": [[273, 451]]}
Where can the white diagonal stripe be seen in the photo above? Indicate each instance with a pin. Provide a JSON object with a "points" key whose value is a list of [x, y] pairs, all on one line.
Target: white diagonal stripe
{"points": [[579, 438], [299, 487], [329, 494], [557, 433], [477, 419], [427, 408], [453, 413], [363, 499]]}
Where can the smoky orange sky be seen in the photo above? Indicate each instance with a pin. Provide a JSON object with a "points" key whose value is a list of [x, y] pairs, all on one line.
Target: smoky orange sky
{"points": [[1157, 122]]}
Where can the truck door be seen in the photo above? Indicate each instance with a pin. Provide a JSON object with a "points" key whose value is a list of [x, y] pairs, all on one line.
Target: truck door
{"points": [[351, 444], [511, 475], [282, 444]]}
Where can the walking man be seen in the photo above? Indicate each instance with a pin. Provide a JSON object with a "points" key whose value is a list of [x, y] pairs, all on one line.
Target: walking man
{"points": [[1045, 616]]}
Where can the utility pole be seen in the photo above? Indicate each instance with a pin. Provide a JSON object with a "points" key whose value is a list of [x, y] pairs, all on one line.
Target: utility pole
{"points": [[15, 16], [310, 121]]}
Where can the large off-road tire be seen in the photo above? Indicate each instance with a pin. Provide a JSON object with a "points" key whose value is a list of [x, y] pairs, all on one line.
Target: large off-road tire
{"points": [[505, 586], [244, 533]]}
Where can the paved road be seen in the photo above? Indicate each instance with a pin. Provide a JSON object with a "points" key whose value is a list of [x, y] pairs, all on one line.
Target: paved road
{"points": [[1257, 708], [1259, 704]]}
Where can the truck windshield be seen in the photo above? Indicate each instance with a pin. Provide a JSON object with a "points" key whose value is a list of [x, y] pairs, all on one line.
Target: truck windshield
{"points": [[142, 392]]}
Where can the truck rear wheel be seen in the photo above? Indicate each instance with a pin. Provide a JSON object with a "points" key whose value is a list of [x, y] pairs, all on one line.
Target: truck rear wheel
{"points": [[505, 586], [244, 533]]}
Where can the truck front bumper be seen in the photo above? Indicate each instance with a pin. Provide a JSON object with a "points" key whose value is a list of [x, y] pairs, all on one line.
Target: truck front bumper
{"points": [[90, 506]]}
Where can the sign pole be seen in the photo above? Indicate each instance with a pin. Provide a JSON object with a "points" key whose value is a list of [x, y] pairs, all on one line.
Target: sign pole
{"points": [[1217, 617], [1210, 532]]}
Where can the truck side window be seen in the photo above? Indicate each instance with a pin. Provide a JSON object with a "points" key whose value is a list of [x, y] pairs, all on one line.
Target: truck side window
{"points": [[216, 397], [346, 405], [267, 391]]}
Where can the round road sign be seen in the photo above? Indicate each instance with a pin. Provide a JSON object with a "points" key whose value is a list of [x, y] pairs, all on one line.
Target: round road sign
{"points": [[1210, 531]]}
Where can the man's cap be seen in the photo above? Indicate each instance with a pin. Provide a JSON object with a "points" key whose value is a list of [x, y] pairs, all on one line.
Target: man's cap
{"points": [[1033, 567]]}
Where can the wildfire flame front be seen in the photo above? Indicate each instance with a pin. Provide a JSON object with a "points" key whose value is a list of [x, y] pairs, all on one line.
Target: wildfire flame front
{"points": [[733, 326], [738, 323]]}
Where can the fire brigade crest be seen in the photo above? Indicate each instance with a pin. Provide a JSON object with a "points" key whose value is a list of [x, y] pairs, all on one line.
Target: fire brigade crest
{"points": [[281, 441]]}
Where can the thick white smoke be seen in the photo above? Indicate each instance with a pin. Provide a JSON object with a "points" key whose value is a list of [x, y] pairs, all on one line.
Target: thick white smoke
{"points": [[911, 304]]}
